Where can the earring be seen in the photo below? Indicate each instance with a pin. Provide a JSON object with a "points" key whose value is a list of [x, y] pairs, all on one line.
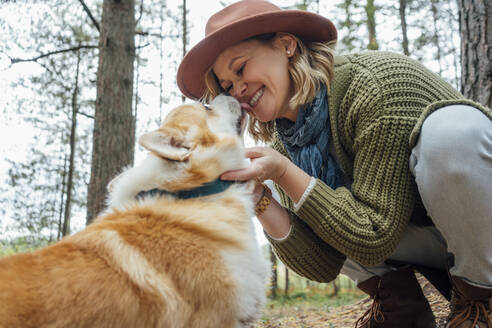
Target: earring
{"points": [[288, 52]]}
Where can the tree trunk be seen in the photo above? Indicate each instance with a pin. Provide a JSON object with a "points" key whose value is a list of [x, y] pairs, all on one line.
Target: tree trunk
{"points": [[274, 277], [336, 288], [435, 38], [161, 62], [349, 25], [403, 23], [286, 287], [62, 201], [114, 134], [476, 38], [371, 25], [452, 20], [185, 35], [136, 98], [71, 164]]}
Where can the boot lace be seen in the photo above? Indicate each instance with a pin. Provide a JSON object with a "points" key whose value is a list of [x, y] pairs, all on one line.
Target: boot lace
{"points": [[373, 313], [463, 309]]}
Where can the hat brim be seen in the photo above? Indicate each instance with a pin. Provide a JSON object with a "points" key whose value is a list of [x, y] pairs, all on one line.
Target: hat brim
{"points": [[306, 25]]}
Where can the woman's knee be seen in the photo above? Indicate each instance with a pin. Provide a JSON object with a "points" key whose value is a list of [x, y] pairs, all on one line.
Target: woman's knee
{"points": [[452, 138]]}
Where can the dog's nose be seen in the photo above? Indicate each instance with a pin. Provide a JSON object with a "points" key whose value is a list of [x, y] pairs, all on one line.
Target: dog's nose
{"points": [[230, 102], [234, 104]]}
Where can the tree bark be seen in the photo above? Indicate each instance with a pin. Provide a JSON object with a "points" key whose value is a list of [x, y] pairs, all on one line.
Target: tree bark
{"points": [[336, 288], [62, 201], [185, 35], [403, 23], [436, 38], [348, 41], [114, 134], [476, 55], [136, 98], [286, 287], [371, 25], [456, 58], [161, 62]]}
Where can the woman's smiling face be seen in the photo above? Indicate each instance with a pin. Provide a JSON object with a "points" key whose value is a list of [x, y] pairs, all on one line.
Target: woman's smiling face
{"points": [[256, 74]]}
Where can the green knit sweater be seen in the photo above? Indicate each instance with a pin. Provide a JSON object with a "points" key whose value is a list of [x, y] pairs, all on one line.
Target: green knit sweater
{"points": [[377, 104]]}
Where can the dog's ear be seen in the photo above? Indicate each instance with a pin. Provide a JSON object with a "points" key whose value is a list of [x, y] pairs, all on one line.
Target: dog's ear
{"points": [[112, 183], [171, 147]]}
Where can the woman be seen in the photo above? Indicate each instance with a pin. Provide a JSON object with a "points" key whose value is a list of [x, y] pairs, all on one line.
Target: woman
{"points": [[364, 147]]}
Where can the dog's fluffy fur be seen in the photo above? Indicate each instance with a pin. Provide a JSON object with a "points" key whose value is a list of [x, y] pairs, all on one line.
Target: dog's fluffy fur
{"points": [[157, 261]]}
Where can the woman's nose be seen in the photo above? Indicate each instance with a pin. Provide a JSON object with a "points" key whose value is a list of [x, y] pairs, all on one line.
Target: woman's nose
{"points": [[240, 90]]}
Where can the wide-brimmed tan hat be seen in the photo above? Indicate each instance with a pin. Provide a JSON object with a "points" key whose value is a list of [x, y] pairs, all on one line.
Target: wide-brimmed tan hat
{"points": [[240, 21]]}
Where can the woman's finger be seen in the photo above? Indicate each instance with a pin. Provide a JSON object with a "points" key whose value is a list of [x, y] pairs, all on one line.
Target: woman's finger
{"points": [[239, 175], [254, 152]]}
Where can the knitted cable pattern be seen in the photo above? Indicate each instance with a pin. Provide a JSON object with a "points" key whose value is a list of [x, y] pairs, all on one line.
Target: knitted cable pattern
{"points": [[377, 101]]}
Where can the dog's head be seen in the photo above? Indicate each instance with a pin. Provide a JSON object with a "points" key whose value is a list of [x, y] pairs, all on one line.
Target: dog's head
{"points": [[198, 142]]}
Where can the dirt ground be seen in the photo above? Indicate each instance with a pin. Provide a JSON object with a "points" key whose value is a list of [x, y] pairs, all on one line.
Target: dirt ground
{"points": [[344, 316]]}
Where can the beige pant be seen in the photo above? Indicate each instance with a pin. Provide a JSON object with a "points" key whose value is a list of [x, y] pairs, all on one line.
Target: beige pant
{"points": [[452, 165]]}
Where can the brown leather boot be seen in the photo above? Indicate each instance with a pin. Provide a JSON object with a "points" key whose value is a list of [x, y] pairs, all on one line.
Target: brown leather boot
{"points": [[398, 302], [470, 306]]}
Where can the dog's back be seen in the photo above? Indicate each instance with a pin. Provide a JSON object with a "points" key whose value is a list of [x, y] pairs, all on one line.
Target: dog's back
{"points": [[64, 285], [143, 267]]}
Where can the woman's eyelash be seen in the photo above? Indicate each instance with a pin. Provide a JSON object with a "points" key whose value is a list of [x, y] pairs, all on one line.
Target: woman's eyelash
{"points": [[238, 72], [241, 69]]}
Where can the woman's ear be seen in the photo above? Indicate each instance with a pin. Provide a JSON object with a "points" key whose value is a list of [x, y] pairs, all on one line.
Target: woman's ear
{"points": [[286, 42]]}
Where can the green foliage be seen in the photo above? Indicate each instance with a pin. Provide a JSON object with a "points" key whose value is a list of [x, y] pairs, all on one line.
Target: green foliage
{"points": [[309, 5], [33, 201], [349, 18], [432, 31], [21, 245], [433, 28], [321, 299]]}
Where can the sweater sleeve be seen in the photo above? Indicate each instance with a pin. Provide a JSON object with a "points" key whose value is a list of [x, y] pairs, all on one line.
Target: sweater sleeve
{"points": [[302, 250], [306, 254]]}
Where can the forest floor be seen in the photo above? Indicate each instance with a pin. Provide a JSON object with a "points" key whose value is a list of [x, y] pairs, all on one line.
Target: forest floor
{"points": [[306, 315]]}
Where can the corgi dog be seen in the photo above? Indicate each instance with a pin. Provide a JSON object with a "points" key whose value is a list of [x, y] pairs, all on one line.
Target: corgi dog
{"points": [[175, 248]]}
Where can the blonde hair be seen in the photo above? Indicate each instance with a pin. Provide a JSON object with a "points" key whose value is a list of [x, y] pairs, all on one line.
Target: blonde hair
{"points": [[311, 64]]}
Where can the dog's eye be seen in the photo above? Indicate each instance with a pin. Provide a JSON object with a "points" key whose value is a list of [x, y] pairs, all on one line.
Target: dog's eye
{"points": [[207, 107]]}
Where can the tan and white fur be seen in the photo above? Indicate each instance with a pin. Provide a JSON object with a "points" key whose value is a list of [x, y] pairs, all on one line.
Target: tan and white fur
{"points": [[157, 261]]}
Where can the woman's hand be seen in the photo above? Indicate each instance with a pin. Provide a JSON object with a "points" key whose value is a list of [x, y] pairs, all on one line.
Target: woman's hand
{"points": [[256, 190], [269, 164], [266, 163]]}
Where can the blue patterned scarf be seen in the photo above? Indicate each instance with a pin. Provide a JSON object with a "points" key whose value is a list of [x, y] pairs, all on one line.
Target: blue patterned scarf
{"points": [[307, 140]]}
